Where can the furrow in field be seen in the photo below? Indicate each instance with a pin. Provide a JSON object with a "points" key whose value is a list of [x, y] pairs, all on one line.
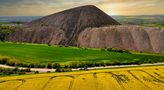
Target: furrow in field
{"points": [[33, 83], [139, 83], [11, 84], [118, 79], [44, 86], [59, 83], [84, 82], [105, 81], [23, 81], [156, 73], [148, 79]]}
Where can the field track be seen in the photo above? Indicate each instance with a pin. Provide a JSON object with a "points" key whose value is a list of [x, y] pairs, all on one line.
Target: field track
{"points": [[140, 78]]}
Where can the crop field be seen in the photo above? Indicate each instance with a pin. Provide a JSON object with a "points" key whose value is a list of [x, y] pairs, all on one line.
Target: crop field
{"points": [[138, 78], [42, 53]]}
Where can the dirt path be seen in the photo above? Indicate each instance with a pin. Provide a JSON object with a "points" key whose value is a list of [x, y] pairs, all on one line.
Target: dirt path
{"points": [[42, 70], [32, 69]]}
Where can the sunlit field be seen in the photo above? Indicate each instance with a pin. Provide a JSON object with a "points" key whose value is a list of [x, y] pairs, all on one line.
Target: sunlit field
{"points": [[139, 78]]}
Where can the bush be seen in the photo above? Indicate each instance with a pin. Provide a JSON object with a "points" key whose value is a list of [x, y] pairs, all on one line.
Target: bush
{"points": [[102, 49], [56, 65], [60, 46], [102, 64], [109, 49], [5, 31], [11, 63], [115, 62], [59, 69], [31, 66], [90, 64], [4, 71], [66, 66], [21, 73], [118, 50], [26, 70], [15, 69], [74, 65], [43, 66], [127, 51], [49, 66], [86, 68], [36, 72], [4, 60], [49, 44], [136, 61], [19, 64]]}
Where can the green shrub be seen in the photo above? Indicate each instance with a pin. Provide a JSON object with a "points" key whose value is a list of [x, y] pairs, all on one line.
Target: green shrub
{"points": [[49, 44], [56, 65], [49, 65], [4, 60], [115, 62], [74, 65], [36, 72]]}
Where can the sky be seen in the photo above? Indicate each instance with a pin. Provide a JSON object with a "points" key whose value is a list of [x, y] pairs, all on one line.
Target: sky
{"points": [[111, 7]]}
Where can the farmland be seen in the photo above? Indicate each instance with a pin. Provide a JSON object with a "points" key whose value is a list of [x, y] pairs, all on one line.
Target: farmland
{"points": [[43, 54], [139, 78]]}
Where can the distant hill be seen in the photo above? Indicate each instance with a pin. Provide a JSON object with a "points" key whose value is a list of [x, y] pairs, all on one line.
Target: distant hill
{"points": [[132, 20], [8, 19], [63, 27]]}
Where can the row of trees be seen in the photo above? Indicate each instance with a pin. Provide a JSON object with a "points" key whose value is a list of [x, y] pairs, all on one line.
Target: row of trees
{"points": [[4, 71], [84, 65], [116, 50]]}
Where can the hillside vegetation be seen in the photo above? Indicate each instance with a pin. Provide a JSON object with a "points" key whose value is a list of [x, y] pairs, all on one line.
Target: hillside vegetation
{"points": [[141, 78]]}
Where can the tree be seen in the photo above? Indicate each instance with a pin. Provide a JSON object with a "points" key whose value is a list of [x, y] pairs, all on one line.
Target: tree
{"points": [[49, 66], [86, 68], [31, 65], [56, 65], [4, 32]]}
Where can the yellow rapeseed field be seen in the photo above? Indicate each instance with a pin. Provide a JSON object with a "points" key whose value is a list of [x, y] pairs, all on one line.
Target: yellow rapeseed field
{"points": [[137, 78]]}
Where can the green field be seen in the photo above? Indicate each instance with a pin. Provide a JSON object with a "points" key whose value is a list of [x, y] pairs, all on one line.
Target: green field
{"points": [[153, 25], [43, 54]]}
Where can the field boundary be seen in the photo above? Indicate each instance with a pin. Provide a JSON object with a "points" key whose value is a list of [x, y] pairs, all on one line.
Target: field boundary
{"points": [[43, 70]]}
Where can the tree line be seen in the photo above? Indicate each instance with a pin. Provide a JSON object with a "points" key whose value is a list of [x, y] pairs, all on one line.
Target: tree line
{"points": [[82, 65]]}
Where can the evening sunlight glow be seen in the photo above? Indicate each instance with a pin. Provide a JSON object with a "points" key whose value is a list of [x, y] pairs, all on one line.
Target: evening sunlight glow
{"points": [[112, 7]]}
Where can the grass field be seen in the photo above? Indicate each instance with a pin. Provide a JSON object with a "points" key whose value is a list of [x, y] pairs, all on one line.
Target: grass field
{"points": [[140, 78], [33, 53], [153, 25]]}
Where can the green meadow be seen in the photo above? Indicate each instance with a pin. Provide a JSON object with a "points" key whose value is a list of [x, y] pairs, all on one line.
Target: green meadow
{"points": [[43, 54]]}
